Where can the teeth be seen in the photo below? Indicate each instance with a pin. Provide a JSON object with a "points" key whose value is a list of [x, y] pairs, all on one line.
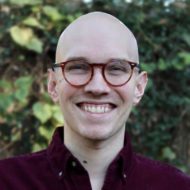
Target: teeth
{"points": [[96, 108]]}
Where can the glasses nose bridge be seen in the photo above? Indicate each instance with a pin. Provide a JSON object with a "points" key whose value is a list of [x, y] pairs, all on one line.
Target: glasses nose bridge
{"points": [[102, 65], [97, 83], [99, 65]]}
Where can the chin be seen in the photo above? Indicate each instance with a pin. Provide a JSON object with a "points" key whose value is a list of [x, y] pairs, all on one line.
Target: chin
{"points": [[96, 137], [97, 134]]}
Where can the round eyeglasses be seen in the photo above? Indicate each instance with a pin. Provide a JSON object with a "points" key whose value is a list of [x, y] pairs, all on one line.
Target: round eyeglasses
{"points": [[79, 72]]}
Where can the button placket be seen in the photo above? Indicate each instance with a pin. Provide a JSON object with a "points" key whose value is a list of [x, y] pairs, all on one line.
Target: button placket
{"points": [[124, 177]]}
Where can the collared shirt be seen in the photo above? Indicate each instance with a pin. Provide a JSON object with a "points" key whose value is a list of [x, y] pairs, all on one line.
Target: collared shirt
{"points": [[57, 169]]}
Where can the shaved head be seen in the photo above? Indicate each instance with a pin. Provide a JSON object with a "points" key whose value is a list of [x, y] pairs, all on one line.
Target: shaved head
{"points": [[97, 32]]}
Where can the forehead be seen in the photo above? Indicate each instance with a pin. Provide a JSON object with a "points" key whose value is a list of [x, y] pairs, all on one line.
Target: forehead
{"points": [[94, 52], [97, 37]]}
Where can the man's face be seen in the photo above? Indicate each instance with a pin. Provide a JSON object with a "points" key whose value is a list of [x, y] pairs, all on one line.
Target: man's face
{"points": [[97, 110]]}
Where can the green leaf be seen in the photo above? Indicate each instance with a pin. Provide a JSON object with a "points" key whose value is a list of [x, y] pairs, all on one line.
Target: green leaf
{"points": [[20, 35], [15, 137], [72, 17], [26, 38], [149, 67], [37, 147], [52, 13], [6, 96], [35, 45], [6, 102], [46, 133], [42, 111], [22, 85], [5, 86], [186, 38], [26, 2], [162, 65], [57, 115], [185, 56], [168, 153], [32, 21]]}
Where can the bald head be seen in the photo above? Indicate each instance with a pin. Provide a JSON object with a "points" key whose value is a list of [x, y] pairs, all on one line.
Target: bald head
{"points": [[97, 36]]}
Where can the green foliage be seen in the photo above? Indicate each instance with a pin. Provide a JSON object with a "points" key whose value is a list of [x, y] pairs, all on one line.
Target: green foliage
{"points": [[14, 94], [45, 111], [25, 2], [52, 13], [167, 153], [42, 111], [29, 32], [32, 21], [25, 37]]}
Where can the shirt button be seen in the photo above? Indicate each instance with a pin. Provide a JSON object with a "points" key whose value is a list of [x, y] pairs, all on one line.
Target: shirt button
{"points": [[74, 164], [60, 174], [124, 176]]}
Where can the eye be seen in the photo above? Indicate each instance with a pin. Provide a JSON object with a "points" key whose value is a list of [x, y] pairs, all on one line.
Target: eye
{"points": [[117, 68], [77, 67]]}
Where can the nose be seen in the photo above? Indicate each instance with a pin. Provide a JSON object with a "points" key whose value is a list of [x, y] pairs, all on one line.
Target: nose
{"points": [[97, 85]]}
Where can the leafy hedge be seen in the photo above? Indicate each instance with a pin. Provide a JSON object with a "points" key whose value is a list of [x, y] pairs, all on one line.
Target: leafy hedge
{"points": [[29, 31]]}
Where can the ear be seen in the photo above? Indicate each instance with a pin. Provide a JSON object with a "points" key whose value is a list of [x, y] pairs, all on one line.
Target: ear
{"points": [[52, 85], [141, 83]]}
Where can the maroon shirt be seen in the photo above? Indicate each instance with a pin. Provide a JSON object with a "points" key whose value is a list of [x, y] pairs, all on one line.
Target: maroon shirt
{"points": [[57, 169]]}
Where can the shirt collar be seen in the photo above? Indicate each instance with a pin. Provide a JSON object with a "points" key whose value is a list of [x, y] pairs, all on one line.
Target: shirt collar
{"points": [[57, 153], [60, 157]]}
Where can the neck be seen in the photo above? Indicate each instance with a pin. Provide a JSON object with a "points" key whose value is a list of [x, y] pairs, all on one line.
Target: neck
{"points": [[94, 155]]}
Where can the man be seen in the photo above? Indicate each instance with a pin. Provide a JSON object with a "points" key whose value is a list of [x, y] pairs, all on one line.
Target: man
{"points": [[96, 81]]}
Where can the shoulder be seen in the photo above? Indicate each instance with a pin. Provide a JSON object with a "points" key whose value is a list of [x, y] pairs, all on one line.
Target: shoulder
{"points": [[26, 157], [22, 171], [161, 174], [21, 163]]}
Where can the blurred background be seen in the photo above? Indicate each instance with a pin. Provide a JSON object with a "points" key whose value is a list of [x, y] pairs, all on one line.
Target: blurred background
{"points": [[29, 30]]}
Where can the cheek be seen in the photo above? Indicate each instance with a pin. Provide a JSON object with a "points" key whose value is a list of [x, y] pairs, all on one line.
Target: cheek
{"points": [[126, 93], [66, 92]]}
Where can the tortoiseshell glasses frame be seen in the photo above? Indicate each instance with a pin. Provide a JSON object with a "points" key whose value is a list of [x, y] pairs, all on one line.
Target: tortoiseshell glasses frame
{"points": [[79, 72]]}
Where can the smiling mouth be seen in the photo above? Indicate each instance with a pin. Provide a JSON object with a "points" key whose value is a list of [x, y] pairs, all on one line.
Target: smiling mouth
{"points": [[96, 108]]}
